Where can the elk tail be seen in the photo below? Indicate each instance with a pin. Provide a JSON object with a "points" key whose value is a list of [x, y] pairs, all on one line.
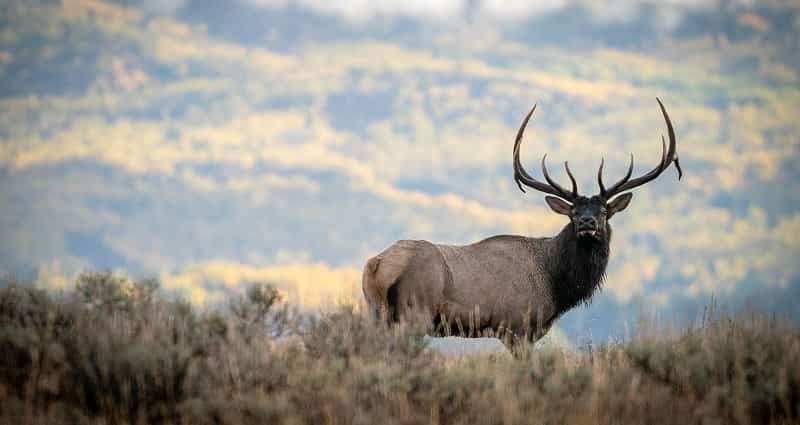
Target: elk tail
{"points": [[381, 274], [374, 291]]}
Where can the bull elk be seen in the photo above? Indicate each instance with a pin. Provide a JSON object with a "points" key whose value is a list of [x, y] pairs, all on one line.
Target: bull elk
{"points": [[511, 283]]}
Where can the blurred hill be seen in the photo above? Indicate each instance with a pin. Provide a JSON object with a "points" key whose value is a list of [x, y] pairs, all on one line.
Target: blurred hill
{"points": [[215, 143]]}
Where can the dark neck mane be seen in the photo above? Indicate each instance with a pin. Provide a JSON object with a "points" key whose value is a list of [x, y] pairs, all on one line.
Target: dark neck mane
{"points": [[578, 267]]}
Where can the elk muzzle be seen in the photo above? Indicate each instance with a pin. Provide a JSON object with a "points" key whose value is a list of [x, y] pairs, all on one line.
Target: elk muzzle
{"points": [[587, 227]]}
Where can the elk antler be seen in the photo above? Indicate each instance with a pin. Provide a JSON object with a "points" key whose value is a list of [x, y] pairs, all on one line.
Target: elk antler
{"points": [[668, 156], [522, 177]]}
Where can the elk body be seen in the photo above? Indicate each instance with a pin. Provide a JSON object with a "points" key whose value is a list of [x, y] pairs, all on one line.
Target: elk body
{"points": [[510, 283]]}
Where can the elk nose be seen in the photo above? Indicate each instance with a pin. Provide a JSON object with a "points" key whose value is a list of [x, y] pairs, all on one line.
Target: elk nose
{"points": [[589, 222]]}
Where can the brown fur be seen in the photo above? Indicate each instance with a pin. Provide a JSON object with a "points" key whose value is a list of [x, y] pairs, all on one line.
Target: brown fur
{"points": [[506, 283]]}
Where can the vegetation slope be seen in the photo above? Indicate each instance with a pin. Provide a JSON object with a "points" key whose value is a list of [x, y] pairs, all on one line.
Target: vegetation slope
{"points": [[119, 351]]}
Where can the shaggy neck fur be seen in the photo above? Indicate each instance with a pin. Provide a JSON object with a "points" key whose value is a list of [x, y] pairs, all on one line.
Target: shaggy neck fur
{"points": [[579, 267]]}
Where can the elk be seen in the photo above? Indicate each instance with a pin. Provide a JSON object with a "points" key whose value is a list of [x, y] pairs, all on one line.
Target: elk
{"points": [[508, 283]]}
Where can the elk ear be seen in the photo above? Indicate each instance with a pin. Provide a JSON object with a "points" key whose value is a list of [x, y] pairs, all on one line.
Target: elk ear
{"points": [[619, 203], [558, 205]]}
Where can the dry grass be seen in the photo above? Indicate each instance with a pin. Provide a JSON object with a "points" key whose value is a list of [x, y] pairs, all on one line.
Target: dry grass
{"points": [[115, 351]]}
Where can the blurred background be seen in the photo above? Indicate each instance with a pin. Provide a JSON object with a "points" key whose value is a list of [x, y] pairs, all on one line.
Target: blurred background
{"points": [[211, 144]]}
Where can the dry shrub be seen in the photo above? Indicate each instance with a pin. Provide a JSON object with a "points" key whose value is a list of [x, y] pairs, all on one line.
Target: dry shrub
{"points": [[117, 351]]}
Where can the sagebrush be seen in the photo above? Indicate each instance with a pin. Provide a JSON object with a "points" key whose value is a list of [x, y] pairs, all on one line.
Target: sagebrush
{"points": [[118, 351]]}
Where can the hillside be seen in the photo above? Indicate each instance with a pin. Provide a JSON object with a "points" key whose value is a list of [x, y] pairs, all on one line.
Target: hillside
{"points": [[211, 146]]}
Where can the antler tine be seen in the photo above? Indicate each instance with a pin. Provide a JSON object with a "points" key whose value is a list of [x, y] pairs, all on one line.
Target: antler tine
{"points": [[655, 172], [668, 156], [600, 177], [622, 181], [522, 177], [563, 192], [627, 176], [572, 179]]}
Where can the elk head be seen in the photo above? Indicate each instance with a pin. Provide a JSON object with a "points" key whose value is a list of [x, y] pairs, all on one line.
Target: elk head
{"points": [[590, 215]]}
